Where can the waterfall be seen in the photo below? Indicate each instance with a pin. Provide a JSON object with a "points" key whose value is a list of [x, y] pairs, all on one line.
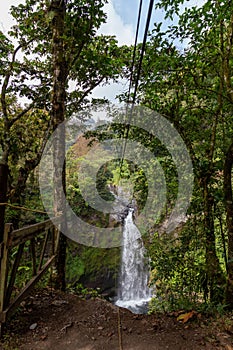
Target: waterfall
{"points": [[133, 290]]}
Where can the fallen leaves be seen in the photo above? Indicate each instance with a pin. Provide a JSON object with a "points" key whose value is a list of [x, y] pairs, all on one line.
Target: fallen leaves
{"points": [[64, 329], [187, 316]]}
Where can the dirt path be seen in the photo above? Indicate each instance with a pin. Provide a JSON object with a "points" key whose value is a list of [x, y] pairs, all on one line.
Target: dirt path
{"points": [[61, 321]]}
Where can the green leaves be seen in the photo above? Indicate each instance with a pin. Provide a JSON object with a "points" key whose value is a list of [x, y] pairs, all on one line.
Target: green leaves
{"points": [[191, 87], [26, 72], [171, 7]]}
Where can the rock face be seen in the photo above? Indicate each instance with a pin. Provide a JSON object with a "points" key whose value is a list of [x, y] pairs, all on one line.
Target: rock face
{"points": [[105, 282], [105, 276], [122, 203]]}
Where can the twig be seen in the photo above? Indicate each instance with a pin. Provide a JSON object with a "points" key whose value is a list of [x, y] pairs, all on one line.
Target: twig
{"points": [[24, 208]]}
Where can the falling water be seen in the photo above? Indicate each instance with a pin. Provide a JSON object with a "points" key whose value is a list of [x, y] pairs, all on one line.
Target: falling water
{"points": [[133, 290]]}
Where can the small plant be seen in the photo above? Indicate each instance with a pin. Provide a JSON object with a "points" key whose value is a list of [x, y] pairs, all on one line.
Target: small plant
{"points": [[8, 343], [84, 292]]}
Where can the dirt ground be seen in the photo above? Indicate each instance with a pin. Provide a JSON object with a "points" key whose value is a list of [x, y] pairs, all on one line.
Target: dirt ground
{"points": [[59, 321]]}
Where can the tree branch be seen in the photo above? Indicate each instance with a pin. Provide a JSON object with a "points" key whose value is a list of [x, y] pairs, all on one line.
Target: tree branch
{"points": [[14, 120], [86, 93], [6, 82]]}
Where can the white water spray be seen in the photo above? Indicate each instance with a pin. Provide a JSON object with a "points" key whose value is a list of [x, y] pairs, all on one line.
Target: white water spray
{"points": [[133, 290]]}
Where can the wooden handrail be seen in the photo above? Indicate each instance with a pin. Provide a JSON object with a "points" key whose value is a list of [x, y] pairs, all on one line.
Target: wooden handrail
{"points": [[24, 234], [13, 238]]}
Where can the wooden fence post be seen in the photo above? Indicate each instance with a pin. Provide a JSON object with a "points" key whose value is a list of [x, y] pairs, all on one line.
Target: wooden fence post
{"points": [[3, 274], [18, 238]]}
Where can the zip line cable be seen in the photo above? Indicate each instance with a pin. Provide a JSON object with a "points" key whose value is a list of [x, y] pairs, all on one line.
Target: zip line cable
{"points": [[137, 75], [143, 49], [131, 75], [134, 51]]}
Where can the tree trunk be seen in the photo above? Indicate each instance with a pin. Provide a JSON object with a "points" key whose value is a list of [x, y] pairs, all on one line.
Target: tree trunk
{"points": [[15, 197], [215, 279], [229, 218], [3, 192], [58, 10]]}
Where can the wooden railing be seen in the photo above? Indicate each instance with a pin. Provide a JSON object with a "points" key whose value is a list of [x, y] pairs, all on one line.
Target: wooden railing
{"points": [[39, 242]]}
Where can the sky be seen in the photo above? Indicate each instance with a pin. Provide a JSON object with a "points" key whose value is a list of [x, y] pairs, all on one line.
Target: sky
{"points": [[121, 18], [121, 22]]}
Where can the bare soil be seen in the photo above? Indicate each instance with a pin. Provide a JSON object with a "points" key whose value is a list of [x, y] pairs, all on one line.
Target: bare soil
{"points": [[59, 321]]}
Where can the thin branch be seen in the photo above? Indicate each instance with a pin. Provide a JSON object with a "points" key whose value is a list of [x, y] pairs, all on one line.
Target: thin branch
{"points": [[6, 82], [7, 79], [81, 46], [20, 115], [45, 139], [86, 93], [78, 54]]}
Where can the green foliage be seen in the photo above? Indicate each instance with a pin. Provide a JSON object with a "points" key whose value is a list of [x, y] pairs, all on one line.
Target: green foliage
{"points": [[95, 266], [178, 268], [97, 259], [91, 59], [103, 178], [75, 268], [192, 88], [9, 343], [85, 293], [208, 309], [25, 271]]}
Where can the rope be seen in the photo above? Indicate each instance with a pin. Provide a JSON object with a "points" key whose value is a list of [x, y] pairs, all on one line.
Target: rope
{"points": [[24, 208], [119, 329], [137, 76]]}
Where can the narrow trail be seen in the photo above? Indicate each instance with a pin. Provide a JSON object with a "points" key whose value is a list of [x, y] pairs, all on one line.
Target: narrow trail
{"points": [[60, 321]]}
